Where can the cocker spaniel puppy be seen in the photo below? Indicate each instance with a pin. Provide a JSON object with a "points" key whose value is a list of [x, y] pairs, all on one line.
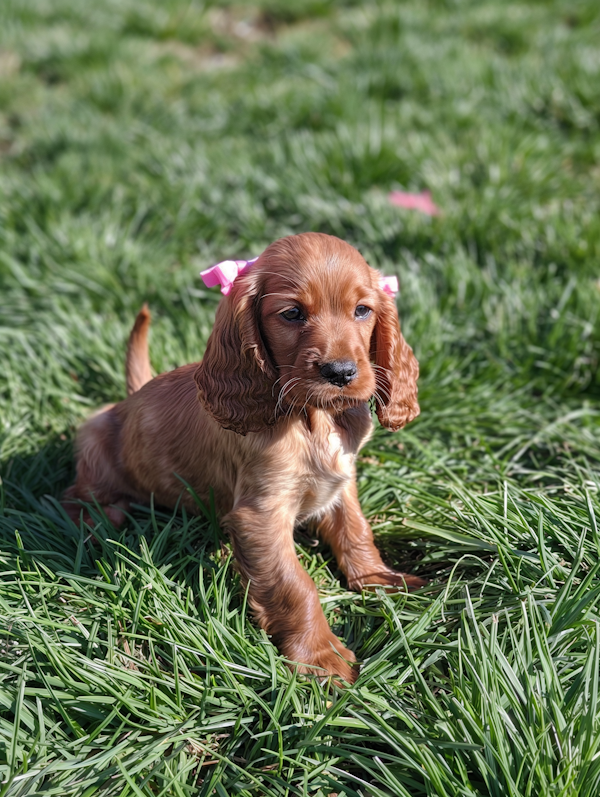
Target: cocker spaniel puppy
{"points": [[271, 420]]}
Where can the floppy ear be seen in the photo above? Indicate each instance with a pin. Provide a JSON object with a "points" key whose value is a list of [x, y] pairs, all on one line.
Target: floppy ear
{"points": [[396, 370], [235, 378]]}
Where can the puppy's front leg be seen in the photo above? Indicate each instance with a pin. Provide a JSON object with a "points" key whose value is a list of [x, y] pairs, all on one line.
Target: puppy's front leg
{"points": [[282, 594], [348, 533]]}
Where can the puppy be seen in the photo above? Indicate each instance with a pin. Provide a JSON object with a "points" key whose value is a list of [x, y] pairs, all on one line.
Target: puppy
{"points": [[271, 420]]}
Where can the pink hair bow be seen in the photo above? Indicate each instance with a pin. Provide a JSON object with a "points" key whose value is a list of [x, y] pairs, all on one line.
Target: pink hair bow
{"points": [[225, 273], [389, 285]]}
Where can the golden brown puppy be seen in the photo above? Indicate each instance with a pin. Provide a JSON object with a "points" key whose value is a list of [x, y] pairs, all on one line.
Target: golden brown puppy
{"points": [[272, 420]]}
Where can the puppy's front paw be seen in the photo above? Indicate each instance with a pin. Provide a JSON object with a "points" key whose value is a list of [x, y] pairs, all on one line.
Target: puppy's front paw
{"points": [[388, 578], [329, 659]]}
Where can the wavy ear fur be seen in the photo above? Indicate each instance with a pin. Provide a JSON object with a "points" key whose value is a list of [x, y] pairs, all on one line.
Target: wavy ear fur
{"points": [[235, 378], [396, 371]]}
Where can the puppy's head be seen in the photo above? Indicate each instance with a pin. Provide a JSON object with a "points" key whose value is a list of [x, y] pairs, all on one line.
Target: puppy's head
{"points": [[307, 324]]}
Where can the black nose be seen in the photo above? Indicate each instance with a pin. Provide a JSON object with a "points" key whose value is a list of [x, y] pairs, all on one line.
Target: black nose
{"points": [[339, 372]]}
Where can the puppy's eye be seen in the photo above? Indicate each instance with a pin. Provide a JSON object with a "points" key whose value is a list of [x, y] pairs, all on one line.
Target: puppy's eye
{"points": [[362, 311], [293, 314]]}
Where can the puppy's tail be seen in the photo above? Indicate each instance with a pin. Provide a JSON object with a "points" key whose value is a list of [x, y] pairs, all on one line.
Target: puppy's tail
{"points": [[137, 361]]}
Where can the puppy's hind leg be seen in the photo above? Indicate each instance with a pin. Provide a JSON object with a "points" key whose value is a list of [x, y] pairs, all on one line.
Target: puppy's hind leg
{"points": [[98, 478]]}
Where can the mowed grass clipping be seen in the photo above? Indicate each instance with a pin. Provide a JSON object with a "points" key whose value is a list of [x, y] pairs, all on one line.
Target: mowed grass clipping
{"points": [[143, 141]]}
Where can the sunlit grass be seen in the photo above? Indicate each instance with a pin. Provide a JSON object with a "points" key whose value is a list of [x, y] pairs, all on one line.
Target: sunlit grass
{"points": [[141, 142]]}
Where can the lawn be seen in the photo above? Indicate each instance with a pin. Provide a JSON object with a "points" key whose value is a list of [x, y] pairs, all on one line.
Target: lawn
{"points": [[140, 142]]}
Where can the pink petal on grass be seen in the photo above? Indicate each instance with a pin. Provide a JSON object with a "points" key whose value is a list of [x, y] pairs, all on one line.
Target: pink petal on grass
{"points": [[421, 201]]}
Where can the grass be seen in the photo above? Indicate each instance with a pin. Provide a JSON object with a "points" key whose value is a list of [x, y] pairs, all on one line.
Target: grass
{"points": [[140, 143]]}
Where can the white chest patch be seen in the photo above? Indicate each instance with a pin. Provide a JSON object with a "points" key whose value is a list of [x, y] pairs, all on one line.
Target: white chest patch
{"points": [[331, 465], [342, 461]]}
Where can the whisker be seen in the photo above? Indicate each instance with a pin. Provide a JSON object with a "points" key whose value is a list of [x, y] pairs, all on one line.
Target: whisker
{"points": [[284, 390], [385, 392], [281, 377], [387, 371], [306, 400], [320, 404], [378, 398], [290, 409], [274, 383]]}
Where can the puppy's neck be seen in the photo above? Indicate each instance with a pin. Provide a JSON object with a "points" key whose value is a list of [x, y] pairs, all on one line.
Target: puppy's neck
{"points": [[354, 422]]}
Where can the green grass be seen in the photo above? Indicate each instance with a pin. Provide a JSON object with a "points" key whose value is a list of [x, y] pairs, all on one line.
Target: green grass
{"points": [[143, 141]]}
